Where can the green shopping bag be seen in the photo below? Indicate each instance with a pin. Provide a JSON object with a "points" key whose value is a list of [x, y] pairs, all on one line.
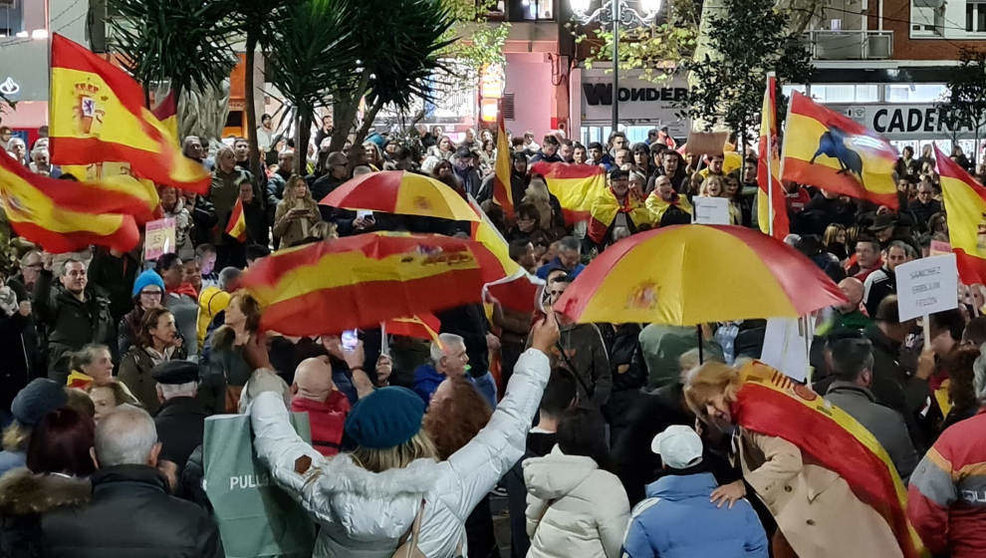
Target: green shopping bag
{"points": [[255, 517]]}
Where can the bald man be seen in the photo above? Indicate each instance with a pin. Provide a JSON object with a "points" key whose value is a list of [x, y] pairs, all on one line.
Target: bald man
{"points": [[327, 407], [850, 315]]}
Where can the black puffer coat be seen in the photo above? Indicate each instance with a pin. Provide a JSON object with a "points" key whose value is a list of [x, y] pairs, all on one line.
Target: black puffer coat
{"points": [[24, 498]]}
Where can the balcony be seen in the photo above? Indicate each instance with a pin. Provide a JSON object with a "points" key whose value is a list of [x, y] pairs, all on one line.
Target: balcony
{"points": [[850, 44]]}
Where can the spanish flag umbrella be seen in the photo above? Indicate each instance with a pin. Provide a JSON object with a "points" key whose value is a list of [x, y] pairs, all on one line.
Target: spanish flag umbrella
{"points": [[694, 274], [360, 281], [403, 193]]}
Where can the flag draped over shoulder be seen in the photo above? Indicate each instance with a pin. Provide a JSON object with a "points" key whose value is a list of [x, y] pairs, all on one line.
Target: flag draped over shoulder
{"points": [[607, 207], [965, 210], [63, 215], [575, 186], [237, 227], [772, 404], [768, 167], [502, 193], [97, 115], [829, 150]]}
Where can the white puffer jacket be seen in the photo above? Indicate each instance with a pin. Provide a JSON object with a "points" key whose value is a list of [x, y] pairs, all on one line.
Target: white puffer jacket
{"points": [[364, 514], [574, 508]]}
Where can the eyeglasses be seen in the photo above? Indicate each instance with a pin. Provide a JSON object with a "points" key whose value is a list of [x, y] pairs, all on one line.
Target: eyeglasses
{"points": [[150, 293]]}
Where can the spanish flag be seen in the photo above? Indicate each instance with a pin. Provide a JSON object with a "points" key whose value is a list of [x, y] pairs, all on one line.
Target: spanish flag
{"points": [[424, 326], [772, 404], [486, 233], [516, 288], [965, 208], [236, 227], [829, 150], [61, 215], [771, 198], [607, 207], [166, 110], [502, 193], [575, 186], [97, 115], [364, 280]]}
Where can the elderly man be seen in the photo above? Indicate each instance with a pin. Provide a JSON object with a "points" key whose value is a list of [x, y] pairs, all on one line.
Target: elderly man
{"points": [[946, 502], [131, 508], [667, 207], [883, 282], [74, 315], [41, 162], [448, 360], [17, 149], [180, 421], [852, 366], [849, 315], [315, 393], [569, 254], [193, 149]]}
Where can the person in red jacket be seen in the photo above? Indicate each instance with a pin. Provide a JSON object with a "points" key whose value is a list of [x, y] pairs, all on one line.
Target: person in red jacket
{"points": [[946, 500], [326, 406]]}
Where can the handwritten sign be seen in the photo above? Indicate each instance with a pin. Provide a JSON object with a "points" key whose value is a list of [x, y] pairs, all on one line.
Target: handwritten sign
{"points": [[711, 211], [159, 238], [927, 286]]}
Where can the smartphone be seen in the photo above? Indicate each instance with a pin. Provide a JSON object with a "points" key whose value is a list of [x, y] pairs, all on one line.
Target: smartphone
{"points": [[349, 340], [362, 214]]}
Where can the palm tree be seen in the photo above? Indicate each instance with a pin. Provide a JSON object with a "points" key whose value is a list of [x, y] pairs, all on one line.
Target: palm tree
{"points": [[310, 54]]}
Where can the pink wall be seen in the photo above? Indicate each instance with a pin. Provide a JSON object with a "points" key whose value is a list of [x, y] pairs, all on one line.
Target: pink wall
{"points": [[529, 79]]}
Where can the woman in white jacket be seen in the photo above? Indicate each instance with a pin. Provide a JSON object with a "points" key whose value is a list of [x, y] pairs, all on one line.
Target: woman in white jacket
{"points": [[365, 502], [574, 508]]}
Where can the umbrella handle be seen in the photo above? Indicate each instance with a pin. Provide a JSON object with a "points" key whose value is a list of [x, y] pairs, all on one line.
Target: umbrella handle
{"points": [[701, 350]]}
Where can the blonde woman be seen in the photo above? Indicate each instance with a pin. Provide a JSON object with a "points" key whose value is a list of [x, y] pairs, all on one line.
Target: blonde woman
{"points": [[817, 513], [834, 240], [297, 217], [366, 501], [714, 186]]}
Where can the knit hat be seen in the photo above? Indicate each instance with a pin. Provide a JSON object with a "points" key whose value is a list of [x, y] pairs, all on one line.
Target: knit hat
{"points": [[386, 418], [149, 277], [36, 400], [679, 447]]}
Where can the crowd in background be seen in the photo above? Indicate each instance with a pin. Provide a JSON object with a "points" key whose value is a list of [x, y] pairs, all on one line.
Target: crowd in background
{"points": [[125, 357]]}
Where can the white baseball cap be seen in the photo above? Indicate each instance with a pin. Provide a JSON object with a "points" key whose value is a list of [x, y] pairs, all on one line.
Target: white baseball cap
{"points": [[679, 447]]}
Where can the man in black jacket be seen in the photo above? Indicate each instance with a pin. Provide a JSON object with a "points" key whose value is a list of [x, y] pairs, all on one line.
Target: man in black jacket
{"points": [[75, 314], [131, 512], [180, 421]]}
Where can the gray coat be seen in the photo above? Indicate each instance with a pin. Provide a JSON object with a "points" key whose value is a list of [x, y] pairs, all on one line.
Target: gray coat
{"points": [[886, 424]]}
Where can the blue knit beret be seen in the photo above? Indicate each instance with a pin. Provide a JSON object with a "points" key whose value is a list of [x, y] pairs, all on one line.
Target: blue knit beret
{"points": [[149, 277], [37, 399], [386, 418]]}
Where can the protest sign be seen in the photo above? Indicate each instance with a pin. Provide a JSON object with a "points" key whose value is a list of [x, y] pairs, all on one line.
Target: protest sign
{"points": [[159, 238], [927, 286], [711, 211], [786, 342]]}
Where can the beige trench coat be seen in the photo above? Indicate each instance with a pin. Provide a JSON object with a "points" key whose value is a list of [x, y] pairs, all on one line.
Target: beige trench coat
{"points": [[814, 507]]}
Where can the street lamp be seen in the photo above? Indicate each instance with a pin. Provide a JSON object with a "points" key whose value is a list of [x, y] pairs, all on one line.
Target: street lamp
{"points": [[617, 13]]}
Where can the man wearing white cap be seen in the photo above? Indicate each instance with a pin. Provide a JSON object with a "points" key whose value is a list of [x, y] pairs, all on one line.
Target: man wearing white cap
{"points": [[678, 518]]}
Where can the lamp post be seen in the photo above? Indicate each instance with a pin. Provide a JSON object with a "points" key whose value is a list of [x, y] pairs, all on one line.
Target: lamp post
{"points": [[617, 13]]}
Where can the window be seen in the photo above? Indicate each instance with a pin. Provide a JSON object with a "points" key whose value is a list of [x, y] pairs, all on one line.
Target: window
{"points": [[848, 93], [915, 92], [532, 10], [975, 17], [11, 18], [927, 19]]}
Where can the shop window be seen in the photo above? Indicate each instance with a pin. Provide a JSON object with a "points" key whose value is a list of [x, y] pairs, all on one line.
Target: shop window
{"points": [[532, 10], [846, 93], [915, 92]]}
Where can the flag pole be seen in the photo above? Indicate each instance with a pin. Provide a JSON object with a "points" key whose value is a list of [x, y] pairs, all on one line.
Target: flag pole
{"points": [[770, 152], [780, 169]]}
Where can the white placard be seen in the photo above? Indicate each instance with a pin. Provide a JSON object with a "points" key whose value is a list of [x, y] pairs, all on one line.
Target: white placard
{"points": [[927, 286], [786, 344], [711, 211]]}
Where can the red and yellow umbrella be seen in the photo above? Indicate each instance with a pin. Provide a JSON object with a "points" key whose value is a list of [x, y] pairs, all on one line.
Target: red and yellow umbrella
{"points": [[403, 193], [693, 274], [361, 281]]}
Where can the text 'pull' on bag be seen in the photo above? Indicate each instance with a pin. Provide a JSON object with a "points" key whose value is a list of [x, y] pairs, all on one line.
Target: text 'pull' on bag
{"points": [[256, 518]]}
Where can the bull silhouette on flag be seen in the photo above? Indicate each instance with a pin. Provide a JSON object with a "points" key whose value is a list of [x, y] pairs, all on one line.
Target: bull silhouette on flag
{"points": [[833, 144]]}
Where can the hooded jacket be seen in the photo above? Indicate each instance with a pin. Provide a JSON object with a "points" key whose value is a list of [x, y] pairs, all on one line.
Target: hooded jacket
{"points": [[364, 514], [678, 520], [574, 508], [24, 497]]}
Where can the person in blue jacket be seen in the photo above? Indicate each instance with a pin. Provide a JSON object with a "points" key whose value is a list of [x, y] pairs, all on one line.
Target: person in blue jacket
{"points": [[678, 518]]}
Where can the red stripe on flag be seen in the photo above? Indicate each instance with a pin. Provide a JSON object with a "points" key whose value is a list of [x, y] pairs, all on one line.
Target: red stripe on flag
{"points": [[972, 269], [124, 239]]}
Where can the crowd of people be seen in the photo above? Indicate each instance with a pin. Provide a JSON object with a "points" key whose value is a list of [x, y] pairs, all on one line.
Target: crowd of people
{"points": [[112, 365]]}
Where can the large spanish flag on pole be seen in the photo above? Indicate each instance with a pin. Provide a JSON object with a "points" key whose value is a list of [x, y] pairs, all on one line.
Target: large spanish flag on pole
{"points": [[965, 209], [829, 150], [575, 186], [770, 403], [60, 215], [97, 114], [363, 280], [771, 200], [502, 193]]}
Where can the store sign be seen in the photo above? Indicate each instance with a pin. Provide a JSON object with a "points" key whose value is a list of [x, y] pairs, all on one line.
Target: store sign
{"points": [[641, 101], [903, 122]]}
